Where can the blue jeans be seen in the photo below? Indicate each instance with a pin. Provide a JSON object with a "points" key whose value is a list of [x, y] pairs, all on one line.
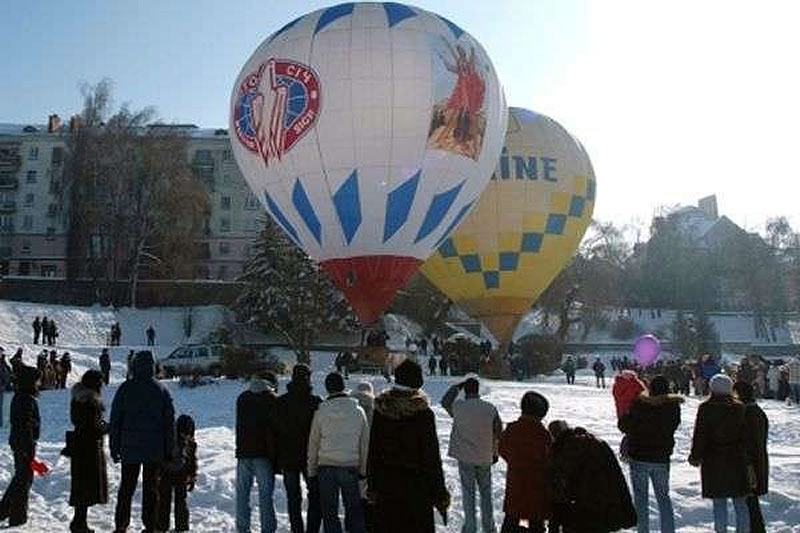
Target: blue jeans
{"points": [[721, 515], [658, 473], [332, 480], [294, 502], [481, 476], [261, 470]]}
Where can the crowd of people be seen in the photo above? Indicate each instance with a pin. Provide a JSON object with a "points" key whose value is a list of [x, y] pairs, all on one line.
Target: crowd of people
{"points": [[380, 454], [45, 330]]}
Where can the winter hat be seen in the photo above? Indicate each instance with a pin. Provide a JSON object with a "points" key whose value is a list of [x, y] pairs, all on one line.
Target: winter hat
{"points": [[659, 386], [365, 386], [534, 404], [408, 374], [270, 379], [27, 379], [557, 427], [92, 379], [721, 385], [301, 373], [334, 383]]}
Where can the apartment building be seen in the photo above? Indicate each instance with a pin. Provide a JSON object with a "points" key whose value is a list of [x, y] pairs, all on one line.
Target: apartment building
{"points": [[34, 206], [236, 214], [34, 202]]}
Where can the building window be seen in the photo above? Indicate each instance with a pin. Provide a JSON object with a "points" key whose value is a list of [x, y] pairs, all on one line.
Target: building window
{"points": [[225, 224], [29, 199], [24, 268], [223, 272], [251, 202], [51, 234], [247, 250], [33, 153], [225, 203], [6, 223], [226, 155], [31, 177], [224, 248], [49, 271], [26, 246], [27, 222], [58, 155]]}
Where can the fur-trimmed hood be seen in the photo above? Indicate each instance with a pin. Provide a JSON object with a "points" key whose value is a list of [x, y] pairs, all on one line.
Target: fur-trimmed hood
{"points": [[398, 403], [661, 399]]}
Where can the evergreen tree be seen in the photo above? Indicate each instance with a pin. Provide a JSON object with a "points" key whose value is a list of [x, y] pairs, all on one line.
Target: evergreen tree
{"points": [[288, 294]]}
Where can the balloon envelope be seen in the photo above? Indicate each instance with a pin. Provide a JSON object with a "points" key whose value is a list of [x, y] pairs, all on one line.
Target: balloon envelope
{"points": [[368, 131], [646, 349], [525, 228]]}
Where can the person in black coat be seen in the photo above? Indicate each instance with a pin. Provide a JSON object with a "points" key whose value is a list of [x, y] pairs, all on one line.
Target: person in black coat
{"points": [[650, 426], [179, 477], [719, 448], [25, 424], [757, 457], [37, 330], [142, 435], [105, 365], [257, 450], [88, 476], [296, 411], [587, 487], [404, 469]]}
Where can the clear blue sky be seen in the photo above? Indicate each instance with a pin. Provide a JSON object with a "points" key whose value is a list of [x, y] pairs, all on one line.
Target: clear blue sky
{"points": [[674, 100]]}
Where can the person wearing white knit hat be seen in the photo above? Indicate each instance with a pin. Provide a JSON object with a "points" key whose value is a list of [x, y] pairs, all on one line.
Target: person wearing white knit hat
{"points": [[719, 449]]}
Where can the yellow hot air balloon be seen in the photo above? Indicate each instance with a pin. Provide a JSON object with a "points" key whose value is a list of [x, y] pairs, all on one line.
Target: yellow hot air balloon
{"points": [[523, 230]]}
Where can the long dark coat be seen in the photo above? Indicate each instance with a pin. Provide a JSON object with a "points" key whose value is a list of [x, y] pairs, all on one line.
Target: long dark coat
{"points": [[757, 457], [719, 446], [89, 485], [296, 410], [588, 489], [525, 446], [404, 468]]}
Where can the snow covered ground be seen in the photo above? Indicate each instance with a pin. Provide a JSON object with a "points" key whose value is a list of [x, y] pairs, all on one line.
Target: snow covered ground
{"points": [[212, 502]]}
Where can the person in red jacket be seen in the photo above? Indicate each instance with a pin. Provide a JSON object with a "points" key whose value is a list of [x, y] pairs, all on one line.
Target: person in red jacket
{"points": [[525, 446]]}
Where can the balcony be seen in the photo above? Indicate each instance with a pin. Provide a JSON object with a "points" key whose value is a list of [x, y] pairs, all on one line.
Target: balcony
{"points": [[10, 159], [8, 206], [8, 182], [7, 229]]}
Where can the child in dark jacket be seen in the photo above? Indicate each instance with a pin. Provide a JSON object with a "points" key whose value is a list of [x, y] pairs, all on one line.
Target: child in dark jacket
{"points": [[179, 477]]}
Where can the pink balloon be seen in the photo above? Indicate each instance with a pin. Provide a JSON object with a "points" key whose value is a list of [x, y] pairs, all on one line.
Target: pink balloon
{"points": [[646, 349]]}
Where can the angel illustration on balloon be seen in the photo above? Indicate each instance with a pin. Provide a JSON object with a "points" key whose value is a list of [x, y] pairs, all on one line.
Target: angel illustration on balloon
{"points": [[458, 122]]}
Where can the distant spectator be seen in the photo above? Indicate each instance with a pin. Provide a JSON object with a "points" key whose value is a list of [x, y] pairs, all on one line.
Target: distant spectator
{"points": [[432, 365], [719, 449], [88, 476], [569, 370], [64, 370], [599, 373], [37, 330], [151, 336], [105, 365], [793, 368], [45, 328], [142, 437], [22, 438]]}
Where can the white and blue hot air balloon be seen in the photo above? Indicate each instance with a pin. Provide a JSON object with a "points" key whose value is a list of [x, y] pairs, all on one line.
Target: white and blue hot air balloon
{"points": [[368, 131]]}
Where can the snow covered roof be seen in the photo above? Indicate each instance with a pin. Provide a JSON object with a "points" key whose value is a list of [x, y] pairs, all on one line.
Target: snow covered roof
{"points": [[20, 129]]}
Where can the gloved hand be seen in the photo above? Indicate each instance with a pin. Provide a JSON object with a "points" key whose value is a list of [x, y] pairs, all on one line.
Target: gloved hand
{"points": [[116, 457], [443, 502]]}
